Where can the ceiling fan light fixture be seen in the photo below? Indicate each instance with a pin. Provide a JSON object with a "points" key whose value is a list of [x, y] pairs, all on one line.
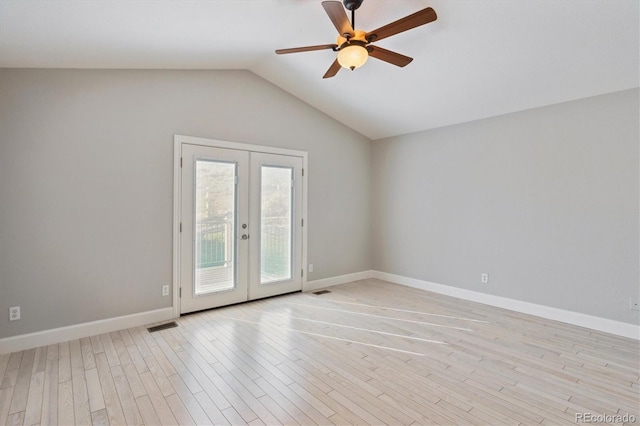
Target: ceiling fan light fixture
{"points": [[354, 46], [353, 56]]}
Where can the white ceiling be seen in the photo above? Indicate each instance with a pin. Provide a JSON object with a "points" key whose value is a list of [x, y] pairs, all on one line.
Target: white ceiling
{"points": [[479, 59]]}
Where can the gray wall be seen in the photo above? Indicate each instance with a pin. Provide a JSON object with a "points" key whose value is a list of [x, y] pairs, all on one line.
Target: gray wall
{"points": [[86, 185], [545, 201]]}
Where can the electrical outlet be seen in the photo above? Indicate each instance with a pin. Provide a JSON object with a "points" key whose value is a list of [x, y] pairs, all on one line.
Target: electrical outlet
{"points": [[633, 304], [484, 278], [165, 290], [310, 267], [14, 313]]}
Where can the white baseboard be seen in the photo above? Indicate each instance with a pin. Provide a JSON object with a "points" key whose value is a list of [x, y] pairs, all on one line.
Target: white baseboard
{"points": [[575, 318], [63, 334], [340, 279], [78, 331]]}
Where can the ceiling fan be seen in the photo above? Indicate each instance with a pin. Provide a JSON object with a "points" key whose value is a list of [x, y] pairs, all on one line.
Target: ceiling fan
{"points": [[354, 46]]}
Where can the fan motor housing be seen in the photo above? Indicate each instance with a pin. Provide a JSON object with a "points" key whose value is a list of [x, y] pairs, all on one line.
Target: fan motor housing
{"points": [[352, 4]]}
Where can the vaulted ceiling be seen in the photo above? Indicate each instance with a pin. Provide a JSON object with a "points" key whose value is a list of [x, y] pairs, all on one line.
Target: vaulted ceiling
{"points": [[478, 59]]}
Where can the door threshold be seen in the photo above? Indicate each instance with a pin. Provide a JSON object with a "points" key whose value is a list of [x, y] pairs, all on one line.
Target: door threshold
{"points": [[241, 303]]}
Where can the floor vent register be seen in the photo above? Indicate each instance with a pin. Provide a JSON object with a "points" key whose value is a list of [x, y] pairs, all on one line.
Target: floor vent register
{"points": [[162, 326]]}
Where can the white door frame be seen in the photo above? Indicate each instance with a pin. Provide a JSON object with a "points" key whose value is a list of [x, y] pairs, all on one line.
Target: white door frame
{"points": [[178, 141]]}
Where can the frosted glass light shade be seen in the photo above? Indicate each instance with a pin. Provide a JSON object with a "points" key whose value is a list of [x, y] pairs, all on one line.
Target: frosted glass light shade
{"points": [[353, 56]]}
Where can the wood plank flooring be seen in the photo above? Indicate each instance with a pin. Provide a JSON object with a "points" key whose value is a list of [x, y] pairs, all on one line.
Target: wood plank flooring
{"points": [[369, 352]]}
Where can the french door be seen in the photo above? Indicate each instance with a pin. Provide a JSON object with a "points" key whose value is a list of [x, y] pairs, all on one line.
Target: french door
{"points": [[241, 226]]}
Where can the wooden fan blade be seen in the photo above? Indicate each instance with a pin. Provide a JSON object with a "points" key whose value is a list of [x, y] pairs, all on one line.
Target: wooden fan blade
{"points": [[389, 56], [421, 17], [339, 17], [333, 69], [306, 49]]}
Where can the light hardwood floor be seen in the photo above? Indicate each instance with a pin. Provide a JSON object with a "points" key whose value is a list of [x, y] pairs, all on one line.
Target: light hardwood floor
{"points": [[369, 352]]}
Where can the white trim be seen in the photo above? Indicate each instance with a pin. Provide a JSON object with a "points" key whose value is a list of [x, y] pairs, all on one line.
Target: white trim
{"points": [[63, 334], [340, 279], [177, 201], [77, 331], [191, 140], [305, 232], [575, 318]]}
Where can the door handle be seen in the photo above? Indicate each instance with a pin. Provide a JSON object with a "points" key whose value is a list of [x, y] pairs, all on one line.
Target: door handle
{"points": [[245, 237]]}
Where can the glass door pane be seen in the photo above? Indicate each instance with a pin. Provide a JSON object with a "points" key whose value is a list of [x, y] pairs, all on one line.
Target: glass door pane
{"points": [[215, 226], [276, 214]]}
